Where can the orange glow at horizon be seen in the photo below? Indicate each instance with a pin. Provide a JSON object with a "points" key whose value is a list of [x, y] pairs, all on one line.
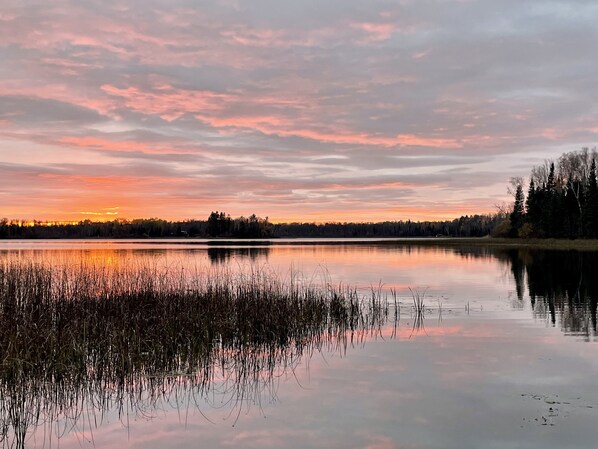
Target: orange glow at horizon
{"points": [[135, 209], [358, 216]]}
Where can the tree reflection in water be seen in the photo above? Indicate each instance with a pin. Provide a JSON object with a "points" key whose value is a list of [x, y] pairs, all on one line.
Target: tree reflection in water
{"points": [[223, 255], [563, 288], [562, 285]]}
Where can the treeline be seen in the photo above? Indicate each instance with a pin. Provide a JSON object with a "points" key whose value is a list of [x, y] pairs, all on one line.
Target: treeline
{"points": [[561, 202], [222, 225], [466, 226]]}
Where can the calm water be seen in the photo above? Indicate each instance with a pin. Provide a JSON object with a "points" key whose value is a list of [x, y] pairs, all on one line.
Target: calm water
{"points": [[505, 356]]}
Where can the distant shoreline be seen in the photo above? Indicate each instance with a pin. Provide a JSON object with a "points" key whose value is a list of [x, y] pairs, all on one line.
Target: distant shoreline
{"points": [[556, 244]]}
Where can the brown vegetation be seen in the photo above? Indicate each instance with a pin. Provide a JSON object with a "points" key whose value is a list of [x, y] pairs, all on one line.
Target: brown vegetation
{"points": [[91, 339]]}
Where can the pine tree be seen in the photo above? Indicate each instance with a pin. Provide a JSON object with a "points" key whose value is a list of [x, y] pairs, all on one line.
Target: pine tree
{"points": [[550, 217], [518, 215], [532, 208]]}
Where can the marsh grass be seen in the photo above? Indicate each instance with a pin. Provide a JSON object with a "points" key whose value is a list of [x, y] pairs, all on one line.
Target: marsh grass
{"points": [[419, 304], [77, 342], [419, 310]]}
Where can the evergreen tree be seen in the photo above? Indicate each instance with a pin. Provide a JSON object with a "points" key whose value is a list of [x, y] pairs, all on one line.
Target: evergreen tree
{"points": [[562, 200], [549, 206], [532, 207], [550, 184], [518, 215]]}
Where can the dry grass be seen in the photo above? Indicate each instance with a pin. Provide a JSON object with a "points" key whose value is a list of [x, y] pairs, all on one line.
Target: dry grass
{"points": [[83, 340]]}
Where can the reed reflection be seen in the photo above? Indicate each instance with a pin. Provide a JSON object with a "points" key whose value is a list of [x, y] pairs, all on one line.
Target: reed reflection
{"points": [[79, 343]]}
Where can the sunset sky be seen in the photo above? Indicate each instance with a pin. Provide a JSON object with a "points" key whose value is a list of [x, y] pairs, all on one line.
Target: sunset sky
{"points": [[308, 110]]}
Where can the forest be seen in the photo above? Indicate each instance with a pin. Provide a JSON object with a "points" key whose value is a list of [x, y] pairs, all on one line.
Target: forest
{"points": [[561, 200], [222, 225]]}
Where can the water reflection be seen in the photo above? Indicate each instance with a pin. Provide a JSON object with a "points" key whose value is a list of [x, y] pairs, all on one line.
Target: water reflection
{"points": [[224, 255], [562, 286], [166, 362]]}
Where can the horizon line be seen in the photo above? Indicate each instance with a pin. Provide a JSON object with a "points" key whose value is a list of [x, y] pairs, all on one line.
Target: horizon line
{"points": [[37, 222]]}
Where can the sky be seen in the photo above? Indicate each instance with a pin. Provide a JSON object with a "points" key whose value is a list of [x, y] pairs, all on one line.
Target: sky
{"points": [[311, 110]]}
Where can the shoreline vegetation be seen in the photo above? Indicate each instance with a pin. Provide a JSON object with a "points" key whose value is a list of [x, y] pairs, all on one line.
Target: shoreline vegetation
{"points": [[77, 342], [222, 225], [561, 202]]}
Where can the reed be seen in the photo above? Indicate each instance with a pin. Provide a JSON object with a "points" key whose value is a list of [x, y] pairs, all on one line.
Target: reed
{"points": [[75, 339], [419, 311], [419, 304]]}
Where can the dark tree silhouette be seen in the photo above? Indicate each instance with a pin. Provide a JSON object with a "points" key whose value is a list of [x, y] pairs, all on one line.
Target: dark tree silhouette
{"points": [[220, 224], [562, 200], [517, 217]]}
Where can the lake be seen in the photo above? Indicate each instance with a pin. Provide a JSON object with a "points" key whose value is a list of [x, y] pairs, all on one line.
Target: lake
{"points": [[504, 354]]}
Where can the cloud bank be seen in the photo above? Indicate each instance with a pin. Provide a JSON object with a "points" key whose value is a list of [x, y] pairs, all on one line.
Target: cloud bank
{"points": [[339, 110]]}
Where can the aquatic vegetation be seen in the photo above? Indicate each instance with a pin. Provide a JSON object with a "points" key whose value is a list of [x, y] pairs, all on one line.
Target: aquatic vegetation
{"points": [[90, 339], [419, 305]]}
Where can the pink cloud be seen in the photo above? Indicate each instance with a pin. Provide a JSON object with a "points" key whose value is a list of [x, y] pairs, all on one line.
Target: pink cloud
{"points": [[376, 31], [257, 37], [373, 185], [6, 16], [421, 54], [551, 133], [98, 143], [67, 66], [193, 41], [167, 102], [58, 92], [276, 126]]}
